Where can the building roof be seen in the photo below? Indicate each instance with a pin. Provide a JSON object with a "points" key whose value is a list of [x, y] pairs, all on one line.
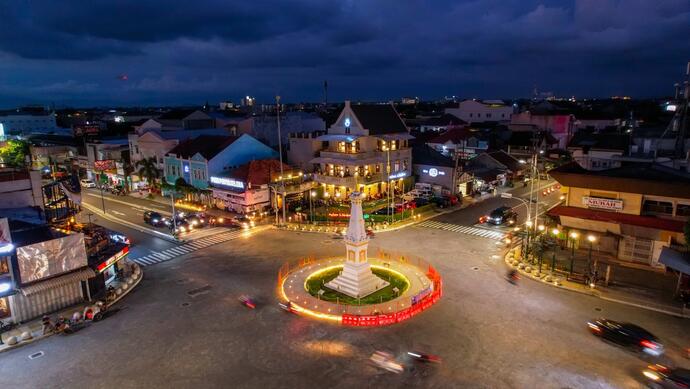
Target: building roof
{"points": [[526, 138], [52, 140], [258, 172], [508, 160], [186, 134], [618, 218], [177, 114], [379, 118], [642, 178], [453, 135], [206, 145], [425, 155], [444, 120], [600, 141]]}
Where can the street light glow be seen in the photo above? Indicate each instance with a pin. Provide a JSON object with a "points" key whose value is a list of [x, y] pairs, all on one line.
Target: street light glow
{"points": [[541, 227], [591, 238], [574, 235], [555, 231], [528, 223]]}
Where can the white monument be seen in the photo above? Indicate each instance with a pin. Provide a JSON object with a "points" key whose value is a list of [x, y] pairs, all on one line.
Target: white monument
{"points": [[356, 279]]}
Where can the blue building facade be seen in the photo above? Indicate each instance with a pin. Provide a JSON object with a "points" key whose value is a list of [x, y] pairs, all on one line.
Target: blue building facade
{"points": [[196, 160]]}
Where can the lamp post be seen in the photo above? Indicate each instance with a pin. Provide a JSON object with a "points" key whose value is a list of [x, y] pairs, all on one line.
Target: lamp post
{"points": [[573, 235], [528, 229], [388, 180], [311, 204], [555, 233], [591, 238], [280, 152]]}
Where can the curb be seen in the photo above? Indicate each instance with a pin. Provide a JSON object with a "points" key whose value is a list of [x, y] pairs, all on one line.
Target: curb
{"points": [[37, 338], [594, 293]]}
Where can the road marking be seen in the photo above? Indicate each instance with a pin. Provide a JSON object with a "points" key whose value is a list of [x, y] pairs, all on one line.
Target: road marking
{"points": [[484, 233], [117, 212]]}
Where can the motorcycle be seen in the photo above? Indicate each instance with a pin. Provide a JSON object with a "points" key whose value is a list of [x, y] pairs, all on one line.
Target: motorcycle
{"points": [[287, 307], [425, 358], [513, 277], [247, 301], [6, 327]]}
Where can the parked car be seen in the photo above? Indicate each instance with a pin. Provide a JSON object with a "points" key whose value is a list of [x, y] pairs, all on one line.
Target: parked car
{"points": [[383, 211], [440, 201], [627, 335], [659, 376], [502, 215], [86, 183], [154, 218], [420, 201]]}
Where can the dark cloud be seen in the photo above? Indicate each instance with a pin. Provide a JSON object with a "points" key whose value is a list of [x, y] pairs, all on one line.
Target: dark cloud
{"points": [[380, 49]]}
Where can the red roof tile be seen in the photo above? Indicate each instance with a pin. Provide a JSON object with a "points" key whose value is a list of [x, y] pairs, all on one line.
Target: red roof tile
{"points": [[620, 218], [258, 172]]}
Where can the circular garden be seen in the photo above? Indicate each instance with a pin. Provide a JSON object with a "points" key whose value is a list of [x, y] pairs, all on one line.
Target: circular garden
{"points": [[315, 283]]}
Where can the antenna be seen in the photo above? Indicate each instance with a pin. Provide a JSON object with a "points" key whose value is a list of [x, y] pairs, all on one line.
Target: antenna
{"points": [[325, 93]]}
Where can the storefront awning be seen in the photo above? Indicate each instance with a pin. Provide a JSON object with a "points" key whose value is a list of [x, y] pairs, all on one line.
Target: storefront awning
{"points": [[81, 275], [675, 260], [619, 218]]}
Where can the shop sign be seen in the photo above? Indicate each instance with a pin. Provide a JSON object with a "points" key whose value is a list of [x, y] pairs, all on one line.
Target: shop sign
{"points": [[120, 167], [602, 203], [433, 172], [224, 181], [104, 265], [397, 175], [103, 165]]}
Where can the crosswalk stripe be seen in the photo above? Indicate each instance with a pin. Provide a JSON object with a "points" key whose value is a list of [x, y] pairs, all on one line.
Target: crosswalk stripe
{"points": [[485, 233], [145, 260], [177, 250]]}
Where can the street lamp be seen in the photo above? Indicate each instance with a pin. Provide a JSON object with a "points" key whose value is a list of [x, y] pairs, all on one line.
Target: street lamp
{"points": [[591, 238], [311, 205], [573, 235], [541, 228], [555, 233]]}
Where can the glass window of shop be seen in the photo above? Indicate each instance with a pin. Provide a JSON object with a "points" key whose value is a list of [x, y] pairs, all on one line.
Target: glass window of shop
{"points": [[4, 308]]}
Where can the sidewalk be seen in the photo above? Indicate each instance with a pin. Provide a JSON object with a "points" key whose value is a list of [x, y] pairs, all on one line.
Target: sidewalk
{"points": [[638, 287], [32, 331]]}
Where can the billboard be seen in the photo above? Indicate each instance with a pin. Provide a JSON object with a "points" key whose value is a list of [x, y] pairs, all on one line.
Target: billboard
{"points": [[106, 164], [51, 258]]}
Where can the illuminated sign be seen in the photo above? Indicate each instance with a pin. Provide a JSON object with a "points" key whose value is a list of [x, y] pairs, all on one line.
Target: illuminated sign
{"points": [[224, 181], [397, 175], [186, 168], [106, 164], [433, 172], [602, 203], [347, 122], [101, 268]]}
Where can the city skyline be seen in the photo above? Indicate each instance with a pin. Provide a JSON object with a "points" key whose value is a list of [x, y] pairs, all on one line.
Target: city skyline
{"points": [[147, 54]]}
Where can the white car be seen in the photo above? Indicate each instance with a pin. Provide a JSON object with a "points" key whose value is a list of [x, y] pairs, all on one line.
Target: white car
{"points": [[386, 362], [86, 183]]}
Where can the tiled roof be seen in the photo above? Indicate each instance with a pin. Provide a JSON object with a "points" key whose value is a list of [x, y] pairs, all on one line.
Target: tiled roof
{"points": [[619, 218], [258, 172], [425, 155], [454, 135], [379, 119], [508, 160], [206, 145], [642, 178], [600, 141]]}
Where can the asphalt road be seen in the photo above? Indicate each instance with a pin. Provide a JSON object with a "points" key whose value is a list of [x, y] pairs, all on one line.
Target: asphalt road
{"points": [[489, 333]]}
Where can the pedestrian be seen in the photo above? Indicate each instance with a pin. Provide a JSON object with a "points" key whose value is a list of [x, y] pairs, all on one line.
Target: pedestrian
{"points": [[47, 325]]}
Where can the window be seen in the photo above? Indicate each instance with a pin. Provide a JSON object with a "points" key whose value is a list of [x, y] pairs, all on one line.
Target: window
{"points": [[683, 210], [404, 164], [637, 249], [503, 115], [378, 168], [488, 115], [655, 207], [136, 149], [396, 166], [470, 114], [341, 147]]}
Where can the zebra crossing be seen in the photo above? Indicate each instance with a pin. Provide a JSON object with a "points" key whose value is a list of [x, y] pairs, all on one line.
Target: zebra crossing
{"points": [[463, 229], [187, 248]]}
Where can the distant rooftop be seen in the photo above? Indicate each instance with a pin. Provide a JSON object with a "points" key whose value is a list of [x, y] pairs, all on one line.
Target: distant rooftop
{"points": [[379, 119], [206, 145]]}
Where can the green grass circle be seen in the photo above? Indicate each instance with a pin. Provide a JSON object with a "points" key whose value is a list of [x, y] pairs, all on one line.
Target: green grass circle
{"points": [[318, 281]]}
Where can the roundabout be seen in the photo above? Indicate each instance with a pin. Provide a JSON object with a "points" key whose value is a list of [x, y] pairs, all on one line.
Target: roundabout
{"points": [[359, 290]]}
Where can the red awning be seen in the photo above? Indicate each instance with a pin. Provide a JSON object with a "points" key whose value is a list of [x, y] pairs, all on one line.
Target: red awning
{"points": [[620, 218]]}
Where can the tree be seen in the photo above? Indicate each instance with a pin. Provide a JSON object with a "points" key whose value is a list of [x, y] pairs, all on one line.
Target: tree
{"points": [[14, 153], [148, 171]]}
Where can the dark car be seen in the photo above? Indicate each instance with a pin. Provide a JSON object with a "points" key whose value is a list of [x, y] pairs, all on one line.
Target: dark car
{"points": [[153, 218], [659, 376], [383, 211], [502, 215], [627, 335], [197, 220], [421, 201], [243, 222], [441, 202]]}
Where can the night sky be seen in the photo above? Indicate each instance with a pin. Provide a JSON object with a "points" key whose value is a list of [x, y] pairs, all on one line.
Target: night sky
{"points": [[187, 52]]}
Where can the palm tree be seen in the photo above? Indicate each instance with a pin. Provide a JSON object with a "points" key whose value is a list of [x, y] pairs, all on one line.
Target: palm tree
{"points": [[148, 171]]}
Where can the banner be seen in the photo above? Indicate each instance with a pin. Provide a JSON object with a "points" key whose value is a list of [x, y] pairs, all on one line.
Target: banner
{"points": [[106, 164]]}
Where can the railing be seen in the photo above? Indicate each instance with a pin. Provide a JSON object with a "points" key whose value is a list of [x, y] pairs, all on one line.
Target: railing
{"points": [[385, 313]]}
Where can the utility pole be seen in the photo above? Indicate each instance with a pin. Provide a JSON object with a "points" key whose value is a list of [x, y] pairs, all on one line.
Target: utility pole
{"points": [[280, 151]]}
